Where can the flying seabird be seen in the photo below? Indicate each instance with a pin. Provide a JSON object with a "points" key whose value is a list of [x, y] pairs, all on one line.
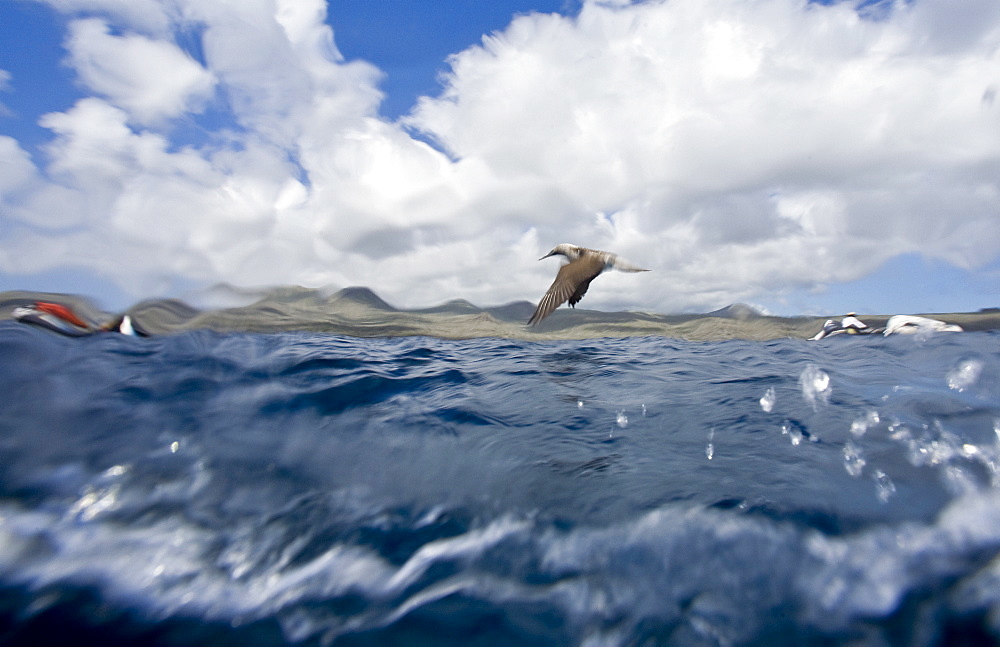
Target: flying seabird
{"points": [[574, 277]]}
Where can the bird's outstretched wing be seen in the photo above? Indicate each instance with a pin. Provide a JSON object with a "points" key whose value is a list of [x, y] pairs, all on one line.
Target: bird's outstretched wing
{"points": [[571, 284], [580, 291]]}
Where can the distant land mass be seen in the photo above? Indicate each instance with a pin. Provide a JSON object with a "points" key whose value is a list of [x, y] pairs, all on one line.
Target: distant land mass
{"points": [[359, 312]]}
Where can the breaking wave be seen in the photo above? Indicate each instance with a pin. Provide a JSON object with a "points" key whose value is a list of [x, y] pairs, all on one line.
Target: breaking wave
{"points": [[295, 488]]}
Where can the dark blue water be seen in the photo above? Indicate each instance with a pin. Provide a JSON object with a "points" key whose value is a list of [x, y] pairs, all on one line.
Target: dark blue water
{"points": [[301, 488]]}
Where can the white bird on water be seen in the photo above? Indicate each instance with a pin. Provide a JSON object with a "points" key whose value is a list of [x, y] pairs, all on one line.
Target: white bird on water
{"points": [[574, 277]]}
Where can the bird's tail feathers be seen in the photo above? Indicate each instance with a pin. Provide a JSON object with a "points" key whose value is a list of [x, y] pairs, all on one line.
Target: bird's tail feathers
{"points": [[624, 266]]}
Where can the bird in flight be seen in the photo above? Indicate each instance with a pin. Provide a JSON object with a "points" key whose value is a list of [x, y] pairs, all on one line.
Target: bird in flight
{"points": [[574, 277]]}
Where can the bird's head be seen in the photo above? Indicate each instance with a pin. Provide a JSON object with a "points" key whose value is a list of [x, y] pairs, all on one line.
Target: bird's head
{"points": [[572, 252]]}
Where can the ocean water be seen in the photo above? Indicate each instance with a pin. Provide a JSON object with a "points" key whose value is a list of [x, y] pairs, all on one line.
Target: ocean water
{"points": [[238, 489]]}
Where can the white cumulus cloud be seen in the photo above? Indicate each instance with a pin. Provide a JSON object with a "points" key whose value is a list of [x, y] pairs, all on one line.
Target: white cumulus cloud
{"points": [[150, 17], [754, 145], [151, 79], [739, 149]]}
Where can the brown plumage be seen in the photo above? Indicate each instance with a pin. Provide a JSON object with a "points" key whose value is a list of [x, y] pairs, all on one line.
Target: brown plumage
{"points": [[574, 277]]}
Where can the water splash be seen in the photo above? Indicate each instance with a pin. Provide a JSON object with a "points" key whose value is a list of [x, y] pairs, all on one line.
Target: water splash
{"points": [[815, 384], [965, 374], [959, 480], [884, 487], [854, 460], [767, 400], [622, 419], [861, 426], [794, 434], [954, 458], [710, 447]]}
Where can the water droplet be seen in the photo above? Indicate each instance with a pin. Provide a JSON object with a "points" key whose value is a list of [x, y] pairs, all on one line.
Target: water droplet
{"points": [[854, 461], [959, 480], [709, 451], [579, 404], [174, 446], [884, 487], [860, 426], [965, 374], [116, 470], [622, 419], [767, 400], [94, 502], [794, 433], [815, 384]]}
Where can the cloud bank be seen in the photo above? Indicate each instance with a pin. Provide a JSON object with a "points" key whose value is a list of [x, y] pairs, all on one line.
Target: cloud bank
{"points": [[739, 149]]}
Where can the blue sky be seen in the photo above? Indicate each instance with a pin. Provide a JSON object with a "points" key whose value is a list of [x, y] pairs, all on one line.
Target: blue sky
{"points": [[803, 157]]}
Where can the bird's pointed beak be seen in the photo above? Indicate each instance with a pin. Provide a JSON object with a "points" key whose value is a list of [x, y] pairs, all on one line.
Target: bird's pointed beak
{"points": [[546, 256]]}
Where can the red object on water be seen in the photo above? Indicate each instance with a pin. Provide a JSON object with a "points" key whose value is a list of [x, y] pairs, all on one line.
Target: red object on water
{"points": [[60, 311]]}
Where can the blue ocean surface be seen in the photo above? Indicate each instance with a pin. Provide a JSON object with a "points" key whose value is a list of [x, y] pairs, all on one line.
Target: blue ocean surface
{"points": [[301, 488]]}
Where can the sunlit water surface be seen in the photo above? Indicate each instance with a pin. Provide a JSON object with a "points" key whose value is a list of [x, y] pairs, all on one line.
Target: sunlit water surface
{"points": [[302, 488]]}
